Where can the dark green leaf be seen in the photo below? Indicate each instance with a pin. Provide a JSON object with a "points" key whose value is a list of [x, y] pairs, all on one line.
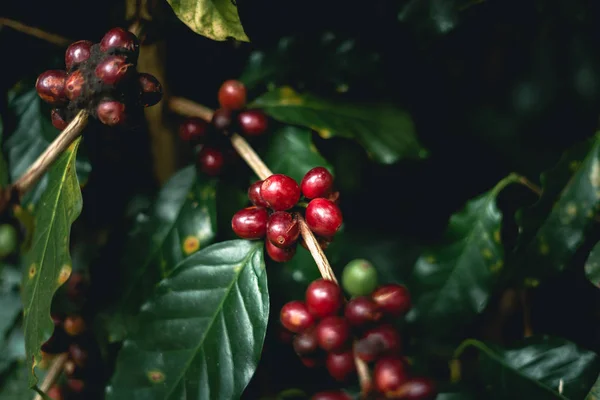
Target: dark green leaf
{"points": [[182, 221], [32, 135], [215, 19], [297, 142], [202, 332], [12, 349], [15, 386], [592, 265], [385, 131], [538, 368], [48, 261], [452, 283], [3, 165], [555, 227], [10, 301]]}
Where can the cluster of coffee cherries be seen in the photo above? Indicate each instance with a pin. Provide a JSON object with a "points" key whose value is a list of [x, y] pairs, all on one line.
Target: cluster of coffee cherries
{"points": [[326, 328], [100, 78], [72, 336], [271, 215], [231, 117]]}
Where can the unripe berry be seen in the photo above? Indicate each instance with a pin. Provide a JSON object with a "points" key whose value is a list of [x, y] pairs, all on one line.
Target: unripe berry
{"points": [[379, 341], [341, 365], [254, 195], [232, 95], [331, 395], [282, 229], [113, 69], [58, 121], [389, 374], [323, 217], [279, 254], [50, 86], [74, 325], [323, 298], [74, 85], [253, 122], [151, 89], [317, 183], [305, 342], [362, 311], [119, 38], [280, 192], [111, 112], [193, 129], [333, 333], [9, 240], [77, 53], [294, 316], [250, 223], [417, 389], [393, 299], [211, 160], [359, 277]]}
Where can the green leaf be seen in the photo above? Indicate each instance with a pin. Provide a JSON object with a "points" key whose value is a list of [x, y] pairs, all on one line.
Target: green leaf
{"points": [[14, 386], [451, 283], [48, 261], [594, 393], [296, 141], [12, 349], [10, 300], [537, 368], [33, 133], [385, 131], [215, 19], [181, 222], [202, 331], [555, 227], [3, 165], [592, 266]]}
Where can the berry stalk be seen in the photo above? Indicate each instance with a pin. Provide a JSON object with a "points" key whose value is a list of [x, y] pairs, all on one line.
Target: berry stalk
{"points": [[53, 372], [35, 32], [315, 250]]}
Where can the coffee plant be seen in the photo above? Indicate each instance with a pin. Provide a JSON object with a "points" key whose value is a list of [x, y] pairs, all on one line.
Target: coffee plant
{"points": [[215, 199]]}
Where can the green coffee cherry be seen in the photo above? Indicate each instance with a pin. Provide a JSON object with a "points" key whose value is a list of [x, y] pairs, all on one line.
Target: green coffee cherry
{"points": [[359, 277], [8, 240]]}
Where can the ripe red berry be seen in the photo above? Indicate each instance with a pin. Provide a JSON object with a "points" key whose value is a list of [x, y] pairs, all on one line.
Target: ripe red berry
{"points": [[362, 311], [74, 325], [75, 386], [279, 254], [305, 342], [74, 85], [211, 161], [151, 89], [78, 52], [222, 119], [417, 389], [333, 333], [78, 355], [58, 120], [323, 217], [379, 341], [311, 361], [55, 393], [282, 229], [193, 129], [119, 38], [393, 299], [232, 95], [323, 298], [389, 374], [253, 122], [254, 194], [250, 223], [280, 192], [317, 183], [113, 69], [111, 112], [341, 365], [50, 86], [294, 316], [331, 395]]}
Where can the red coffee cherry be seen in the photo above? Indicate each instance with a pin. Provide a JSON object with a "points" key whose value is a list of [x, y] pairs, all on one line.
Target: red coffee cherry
{"points": [[253, 122], [311, 361], [74, 85], [250, 223], [279, 254], [280, 192], [232, 95], [333, 333], [113, 69], [305, 342], [294, 316], [331, 395], [317, 183], [362, 311], [323, 217], [193, 129], [58, 120], [151, 89], [389, 374], [74, 325], [119, 38], [55, 393], [50, 86], [211, 160], [323, 298], [222, 119], [78, 355], [341, 365], [417, 389], [75, 385], [78, 52], [282, 229], [393, 299], [254, 194], [111, 112], [379, 341]]}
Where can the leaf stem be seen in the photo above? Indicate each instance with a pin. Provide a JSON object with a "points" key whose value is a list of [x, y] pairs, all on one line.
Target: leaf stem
{"points": [[53, 372], [35, 32], [51, 154]]}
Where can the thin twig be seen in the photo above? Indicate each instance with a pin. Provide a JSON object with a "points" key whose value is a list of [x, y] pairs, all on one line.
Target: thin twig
{"points": [[36, 32], [189, 108], [53, 372], [530, 185], [315, 250], [249, 155], [364, 377], [51, 154]]}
